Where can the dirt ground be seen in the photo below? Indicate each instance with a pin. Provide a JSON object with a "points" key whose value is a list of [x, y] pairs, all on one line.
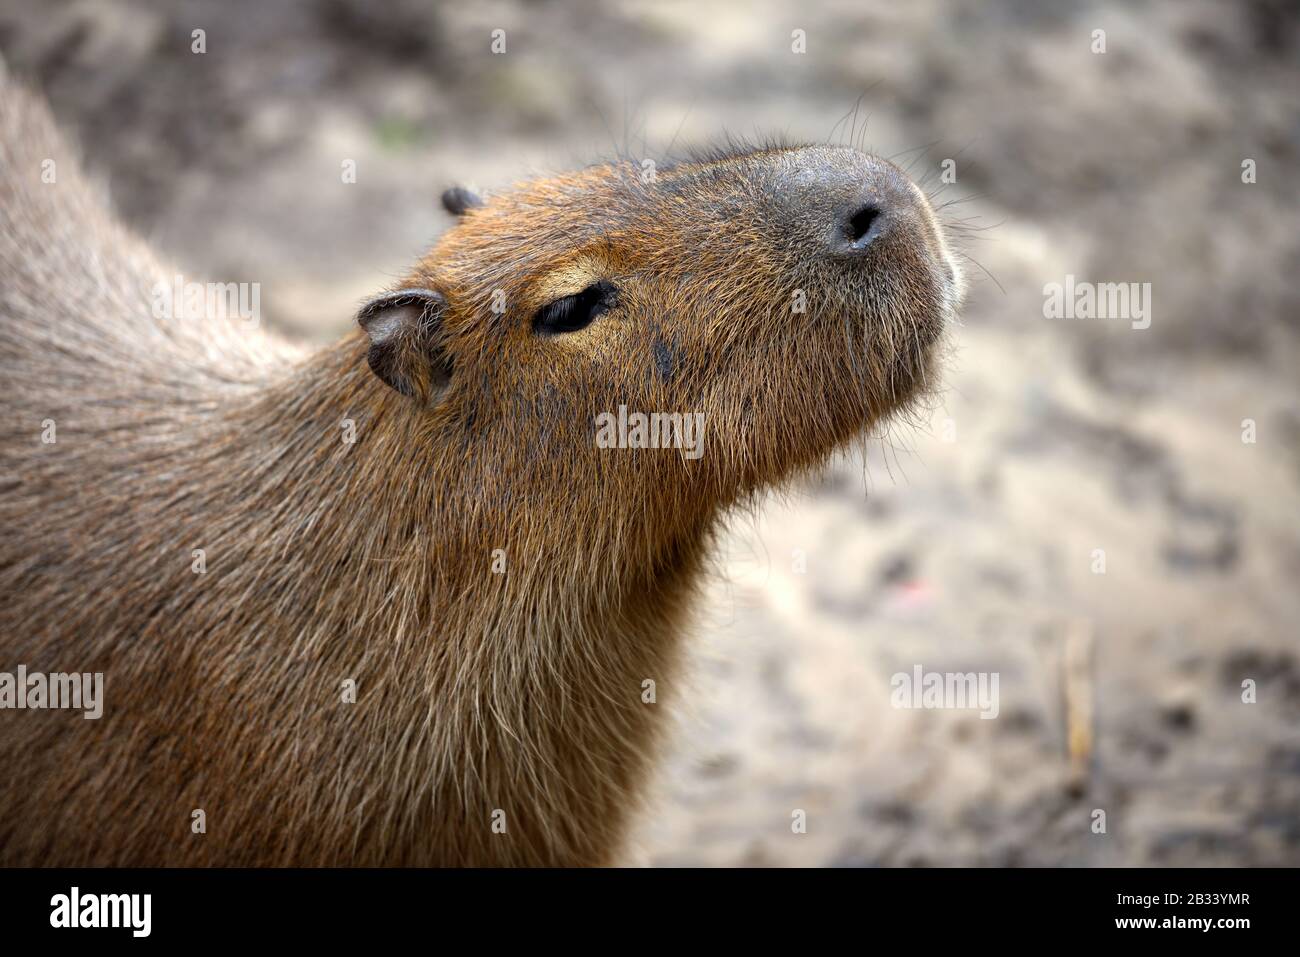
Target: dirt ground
{"points": [[968, 544]]}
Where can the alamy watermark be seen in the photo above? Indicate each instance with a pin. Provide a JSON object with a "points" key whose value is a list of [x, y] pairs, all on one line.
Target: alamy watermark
{"points": [[236, 301], [56, 690], [1073, 299], [76, 909], [652, 430], [961, 691]]}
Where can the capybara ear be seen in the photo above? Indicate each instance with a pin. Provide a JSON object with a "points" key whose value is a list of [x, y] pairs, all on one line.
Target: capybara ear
{"points": [[458, 199], [406, 353]]}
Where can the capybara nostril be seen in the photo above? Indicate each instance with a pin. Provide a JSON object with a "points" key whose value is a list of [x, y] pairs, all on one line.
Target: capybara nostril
{"points": [[864, 224], [856, 225]]}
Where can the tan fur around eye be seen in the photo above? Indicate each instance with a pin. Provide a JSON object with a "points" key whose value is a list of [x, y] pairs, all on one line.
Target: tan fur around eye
{"points": [[571, 278]]}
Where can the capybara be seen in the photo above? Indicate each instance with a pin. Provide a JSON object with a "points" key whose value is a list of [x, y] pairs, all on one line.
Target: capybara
{"points": [[397, 601]]}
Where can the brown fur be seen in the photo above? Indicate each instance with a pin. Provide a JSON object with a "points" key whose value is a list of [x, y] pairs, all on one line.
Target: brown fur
{"points": [[372, 561]]}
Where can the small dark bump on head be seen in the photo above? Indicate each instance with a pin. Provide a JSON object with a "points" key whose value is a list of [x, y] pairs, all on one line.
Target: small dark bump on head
{"points": [[457, 199]]}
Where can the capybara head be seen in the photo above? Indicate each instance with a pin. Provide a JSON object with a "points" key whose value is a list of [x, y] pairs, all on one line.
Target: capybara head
{"points": [[777, 301]]}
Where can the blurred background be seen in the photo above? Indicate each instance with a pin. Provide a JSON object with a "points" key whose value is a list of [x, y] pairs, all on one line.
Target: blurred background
{"points": [[968, 545]]}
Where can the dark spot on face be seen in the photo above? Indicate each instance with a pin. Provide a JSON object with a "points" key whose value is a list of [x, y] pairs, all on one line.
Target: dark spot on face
{"points": [[665, 360]]}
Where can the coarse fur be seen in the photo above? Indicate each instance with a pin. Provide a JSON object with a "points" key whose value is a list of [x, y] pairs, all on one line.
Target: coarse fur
{"points": [[480, 689]]}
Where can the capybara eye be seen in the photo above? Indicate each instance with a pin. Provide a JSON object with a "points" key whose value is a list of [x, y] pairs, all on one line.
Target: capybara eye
{"points": [[571, 313]]}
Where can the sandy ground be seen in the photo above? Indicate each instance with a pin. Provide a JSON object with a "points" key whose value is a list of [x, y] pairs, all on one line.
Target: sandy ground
{"points": [[966, 544]]}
